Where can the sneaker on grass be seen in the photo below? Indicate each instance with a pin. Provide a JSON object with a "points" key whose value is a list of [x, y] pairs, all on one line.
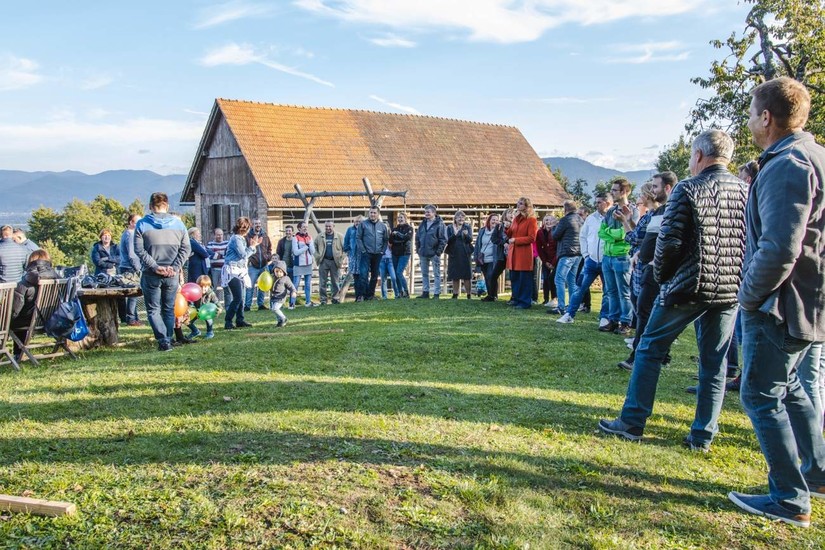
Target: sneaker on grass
{"points": [[627, 364], [552, 304], [603, 322], [762, 505], [621, 428], [565, 319], [689, 443]]}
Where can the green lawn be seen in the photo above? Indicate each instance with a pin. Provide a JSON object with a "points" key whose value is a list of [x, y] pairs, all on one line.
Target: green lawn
{"points": [[393, 424]]}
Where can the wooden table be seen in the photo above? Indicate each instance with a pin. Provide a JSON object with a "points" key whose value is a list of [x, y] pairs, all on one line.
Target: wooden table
{"points": [[100, 309]]}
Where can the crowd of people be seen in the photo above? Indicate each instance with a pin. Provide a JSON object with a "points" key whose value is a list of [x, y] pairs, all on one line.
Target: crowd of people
{"points": [[738, 256]]}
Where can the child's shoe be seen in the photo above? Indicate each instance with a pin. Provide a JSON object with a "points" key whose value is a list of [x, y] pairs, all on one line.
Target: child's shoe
{"points": [[209, 334], [195, 332]]}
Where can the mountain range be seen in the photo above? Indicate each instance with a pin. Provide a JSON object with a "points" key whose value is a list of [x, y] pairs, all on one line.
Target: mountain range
{"points": [[24, 192], [575, 168]]}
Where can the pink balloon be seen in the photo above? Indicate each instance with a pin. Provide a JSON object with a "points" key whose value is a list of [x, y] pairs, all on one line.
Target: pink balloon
{"points": [[192, 292]]}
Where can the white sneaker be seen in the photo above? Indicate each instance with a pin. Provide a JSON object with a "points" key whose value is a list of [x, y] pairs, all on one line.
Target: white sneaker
{"points": [[565, 319], [603, 322], [552, 304], [628, 340], [630, 346]]}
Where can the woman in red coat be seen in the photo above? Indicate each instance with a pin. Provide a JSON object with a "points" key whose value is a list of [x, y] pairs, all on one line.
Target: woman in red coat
{"points": [[521, 234]]}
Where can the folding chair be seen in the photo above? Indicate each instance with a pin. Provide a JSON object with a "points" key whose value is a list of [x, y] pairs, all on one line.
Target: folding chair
{"points": [[6, 300], [50, 294]]}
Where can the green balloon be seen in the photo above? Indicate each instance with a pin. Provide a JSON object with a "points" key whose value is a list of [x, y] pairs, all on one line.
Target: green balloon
{"points": [[208, 311]]}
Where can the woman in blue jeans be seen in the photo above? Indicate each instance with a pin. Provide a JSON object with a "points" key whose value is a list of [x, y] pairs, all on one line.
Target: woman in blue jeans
{"points": [[235, 274], [401, 244]]}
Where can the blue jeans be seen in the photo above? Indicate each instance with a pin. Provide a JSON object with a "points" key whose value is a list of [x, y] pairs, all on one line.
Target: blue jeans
{"points": [[812, 377], [254, 273], [399, 263], [616, 271], [592, 269], [426, 262], [368, 274], [296, 280], [665, 324], [782, 414], [159, 297], [566, 271], [387, 271]]}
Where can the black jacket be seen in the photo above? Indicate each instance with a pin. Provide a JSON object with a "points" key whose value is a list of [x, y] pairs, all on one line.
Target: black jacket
{"points": [[26, 291], [701, 244], [401, 240], [431, 241], [566, 234]]}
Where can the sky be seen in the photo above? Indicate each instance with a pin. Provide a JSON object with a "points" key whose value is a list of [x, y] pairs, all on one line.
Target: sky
{"points": [[96, 86]]}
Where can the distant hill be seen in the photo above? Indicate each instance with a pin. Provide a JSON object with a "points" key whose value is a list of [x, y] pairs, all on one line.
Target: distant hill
{"points": [[24, 192], [575, 168]]}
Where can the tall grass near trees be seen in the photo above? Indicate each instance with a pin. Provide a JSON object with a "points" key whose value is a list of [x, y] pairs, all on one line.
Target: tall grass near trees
{"points": [[395, 424]]}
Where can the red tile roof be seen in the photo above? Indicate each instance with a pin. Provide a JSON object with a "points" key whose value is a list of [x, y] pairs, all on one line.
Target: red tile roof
{"points": [[437, 160]]}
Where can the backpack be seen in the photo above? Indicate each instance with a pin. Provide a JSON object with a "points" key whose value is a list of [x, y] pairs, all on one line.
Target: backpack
{"points": [[67, 320]]}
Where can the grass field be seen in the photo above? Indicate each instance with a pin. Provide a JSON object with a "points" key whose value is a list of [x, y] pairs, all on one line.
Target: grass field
{"points": [[392, 424]]}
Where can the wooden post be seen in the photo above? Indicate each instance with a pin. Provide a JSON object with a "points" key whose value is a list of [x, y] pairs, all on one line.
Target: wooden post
{"points": [[370, 194], [36, 506], [308, 206]]}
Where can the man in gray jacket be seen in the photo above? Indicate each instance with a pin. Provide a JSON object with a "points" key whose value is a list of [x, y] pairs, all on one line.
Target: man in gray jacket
{"points": [[13, 257], [371, 239], [782, 297], [430, 242], [329, 255]]}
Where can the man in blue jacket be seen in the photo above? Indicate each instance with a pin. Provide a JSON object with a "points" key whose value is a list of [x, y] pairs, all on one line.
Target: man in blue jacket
{"points": [[782, 297], [130, 267], [162, 244]]}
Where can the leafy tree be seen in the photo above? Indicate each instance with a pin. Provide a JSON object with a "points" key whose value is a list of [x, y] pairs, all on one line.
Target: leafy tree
{"points": [[577, 190], [58, 256], [45, 225], [602, 188], [780, 38], [188, 219], [676, 158]]}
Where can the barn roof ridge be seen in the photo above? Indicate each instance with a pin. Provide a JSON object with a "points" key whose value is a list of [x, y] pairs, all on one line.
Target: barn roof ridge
{"points": [[368, 111]]}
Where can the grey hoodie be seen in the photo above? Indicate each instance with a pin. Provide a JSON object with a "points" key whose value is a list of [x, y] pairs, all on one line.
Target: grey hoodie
{"points": [[161, 240]]}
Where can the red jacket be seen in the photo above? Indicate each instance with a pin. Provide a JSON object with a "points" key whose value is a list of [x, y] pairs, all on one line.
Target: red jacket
{"points": [[546, 246], [520, 256]]}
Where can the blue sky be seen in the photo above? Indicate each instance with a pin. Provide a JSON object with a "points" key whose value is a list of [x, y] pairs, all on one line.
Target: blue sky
{"points": [[94, 86]]}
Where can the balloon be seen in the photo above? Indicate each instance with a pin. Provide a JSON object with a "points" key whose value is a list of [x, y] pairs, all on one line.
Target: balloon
{"points": [[181, 305], [207, 311], [265, 281], [193, 313], [192, 292]]}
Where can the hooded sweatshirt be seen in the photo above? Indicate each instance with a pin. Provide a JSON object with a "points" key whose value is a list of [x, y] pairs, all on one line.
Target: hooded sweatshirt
{"points": [[161, 240]]}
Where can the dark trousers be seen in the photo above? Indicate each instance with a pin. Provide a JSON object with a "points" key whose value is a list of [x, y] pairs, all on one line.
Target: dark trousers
{"points": [[522, 282], [548, 275], [369, 264], [492, 272], [235, 309], [159, 297], [586, 299]]}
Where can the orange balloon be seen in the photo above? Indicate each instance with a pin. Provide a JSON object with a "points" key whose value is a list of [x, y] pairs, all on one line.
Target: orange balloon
{"points": [[181, 305]]}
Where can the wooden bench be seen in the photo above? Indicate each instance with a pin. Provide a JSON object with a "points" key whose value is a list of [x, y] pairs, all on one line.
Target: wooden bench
{"points": [[6, 301], [50, 294]]}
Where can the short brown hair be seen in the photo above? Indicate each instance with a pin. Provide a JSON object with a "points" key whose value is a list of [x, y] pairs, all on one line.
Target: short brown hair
{"points": [[103, 232], [667, 177], [204, 280], [622, 183], [158, 198], [241, 226], [39, 255], [786, 99]]}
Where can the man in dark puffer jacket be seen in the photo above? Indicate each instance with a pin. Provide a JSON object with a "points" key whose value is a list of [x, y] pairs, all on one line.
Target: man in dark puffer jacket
{"points": [[698, 263]]}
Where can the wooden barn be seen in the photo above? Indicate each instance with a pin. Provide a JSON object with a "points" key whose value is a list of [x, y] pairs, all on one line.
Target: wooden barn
{"points": [[253, 154]]}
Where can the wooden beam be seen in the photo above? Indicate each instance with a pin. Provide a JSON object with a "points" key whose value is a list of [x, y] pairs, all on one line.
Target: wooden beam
{"points": [[370, 194], [309, 213], [36, 506], [385, 192]]}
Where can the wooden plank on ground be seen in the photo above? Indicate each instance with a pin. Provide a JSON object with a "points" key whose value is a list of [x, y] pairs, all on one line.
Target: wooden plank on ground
{"points": [[36, 506]]}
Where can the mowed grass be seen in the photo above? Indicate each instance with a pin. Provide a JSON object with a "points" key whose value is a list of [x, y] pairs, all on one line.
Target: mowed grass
{"points": [[391, 424]]}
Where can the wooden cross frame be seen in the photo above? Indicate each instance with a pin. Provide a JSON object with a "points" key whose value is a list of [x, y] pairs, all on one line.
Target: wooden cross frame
{"points": [[308, 199]]}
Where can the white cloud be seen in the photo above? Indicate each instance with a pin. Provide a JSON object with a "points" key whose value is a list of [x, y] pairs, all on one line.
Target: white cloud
{"points": [[245, 54], [503, 21], [17, 73], [194, 112], [396, 106], [650, 52], [96, 82], [230, 11], [566, 100], [64, 142], [392, 41]]}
